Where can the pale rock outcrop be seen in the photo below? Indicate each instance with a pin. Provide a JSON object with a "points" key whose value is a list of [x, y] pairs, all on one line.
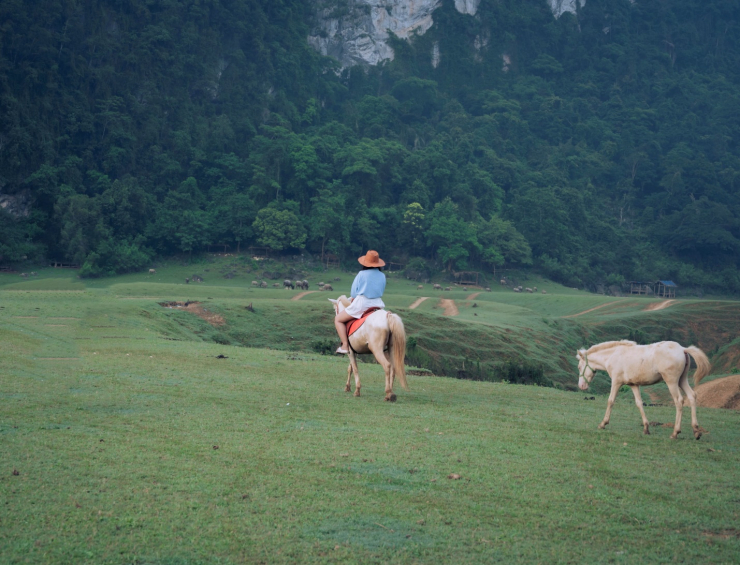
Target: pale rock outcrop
{"points": [[18, 205], [467, 6], [360, 35], [559, 7]]}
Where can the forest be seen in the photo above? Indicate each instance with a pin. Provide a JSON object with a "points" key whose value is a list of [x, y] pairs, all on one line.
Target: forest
{"points": [[605, 150]]}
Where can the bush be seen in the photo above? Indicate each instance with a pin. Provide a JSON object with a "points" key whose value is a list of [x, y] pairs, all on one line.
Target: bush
{"points": [[324, 346]]}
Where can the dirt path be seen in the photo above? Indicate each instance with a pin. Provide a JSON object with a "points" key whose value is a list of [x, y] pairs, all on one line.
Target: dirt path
{"points": [[472, 296], [659, 305], [591, 309], [449, 306], [302, 294], [417, 302]]}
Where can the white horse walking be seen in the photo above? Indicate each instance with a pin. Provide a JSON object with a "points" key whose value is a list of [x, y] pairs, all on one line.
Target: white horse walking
{"points": [[381, 330], [635, 365]]}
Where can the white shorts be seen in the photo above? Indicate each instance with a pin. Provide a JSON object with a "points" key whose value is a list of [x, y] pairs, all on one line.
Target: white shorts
{"points": [[360, 304]]}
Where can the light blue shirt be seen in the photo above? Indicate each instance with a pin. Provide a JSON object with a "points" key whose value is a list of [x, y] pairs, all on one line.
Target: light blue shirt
{"points": [[369, 283]]}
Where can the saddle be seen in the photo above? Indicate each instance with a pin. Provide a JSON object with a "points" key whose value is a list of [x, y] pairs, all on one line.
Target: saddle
{"points": [[356, 324]]}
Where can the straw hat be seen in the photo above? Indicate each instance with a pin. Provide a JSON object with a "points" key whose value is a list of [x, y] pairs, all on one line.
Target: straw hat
{"points": [[372, 259]]}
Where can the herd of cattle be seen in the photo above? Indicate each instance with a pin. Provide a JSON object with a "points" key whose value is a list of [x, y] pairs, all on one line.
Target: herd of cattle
{"points": [[287, 283]]}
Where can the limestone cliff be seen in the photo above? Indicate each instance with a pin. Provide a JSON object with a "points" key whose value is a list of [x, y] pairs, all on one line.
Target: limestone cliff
{"points": [[358, 32]]}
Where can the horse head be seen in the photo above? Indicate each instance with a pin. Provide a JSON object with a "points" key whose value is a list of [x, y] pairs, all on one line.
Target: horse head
{"points": [[340, 303], [585, 371]]}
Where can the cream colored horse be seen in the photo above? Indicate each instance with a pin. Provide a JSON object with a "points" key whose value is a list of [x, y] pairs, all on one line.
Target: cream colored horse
{"points": [[381, 330], [636, 365]]}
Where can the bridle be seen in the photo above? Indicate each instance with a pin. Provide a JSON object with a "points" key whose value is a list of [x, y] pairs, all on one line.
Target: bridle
{"points": [[587, 366]]}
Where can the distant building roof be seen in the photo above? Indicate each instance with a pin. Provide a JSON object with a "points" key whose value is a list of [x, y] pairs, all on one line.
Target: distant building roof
{"points": [[668, 283]]}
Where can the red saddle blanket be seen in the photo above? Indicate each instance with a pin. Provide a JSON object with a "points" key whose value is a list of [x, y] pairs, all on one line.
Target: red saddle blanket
{"points": [[356, 324]]}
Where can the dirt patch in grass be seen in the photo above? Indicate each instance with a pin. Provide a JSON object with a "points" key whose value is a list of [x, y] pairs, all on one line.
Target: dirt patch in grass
{"points": [[450, 308], [472, 296], [197, 309], [302, 294], [659, 305], [720, 393], [417, 302]]}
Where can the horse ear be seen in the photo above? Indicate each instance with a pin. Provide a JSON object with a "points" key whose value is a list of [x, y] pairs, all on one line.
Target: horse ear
{"points": [[332, 301], [580, 353]]}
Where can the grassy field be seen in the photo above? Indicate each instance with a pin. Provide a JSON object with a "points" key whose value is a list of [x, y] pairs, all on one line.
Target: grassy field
{"points": [[124, 438]]}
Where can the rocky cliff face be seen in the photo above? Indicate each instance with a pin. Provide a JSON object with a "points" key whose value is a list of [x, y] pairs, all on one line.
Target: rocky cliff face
{"points": [[358, 34]]}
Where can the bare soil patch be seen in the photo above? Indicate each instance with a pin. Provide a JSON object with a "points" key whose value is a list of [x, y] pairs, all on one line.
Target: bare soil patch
{"points": [[417, 302], [472, 296], [197, 309], [302, 294], [591, 309], [659, 305], [450, 308], [719, 393]]}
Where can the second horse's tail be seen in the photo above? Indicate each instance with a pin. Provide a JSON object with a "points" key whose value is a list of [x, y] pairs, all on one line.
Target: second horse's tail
{"points": [[397, 346], [702, 363]]}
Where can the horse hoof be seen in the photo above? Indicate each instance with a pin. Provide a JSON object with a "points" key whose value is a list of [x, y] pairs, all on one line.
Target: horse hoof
{"points": [[675, 435], [357, 392], [646, 431], [347, 389], [392, 398], [697, 435], [601, 426]]}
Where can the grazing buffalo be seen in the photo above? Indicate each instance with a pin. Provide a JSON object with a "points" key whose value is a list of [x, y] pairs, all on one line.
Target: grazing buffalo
{"points": [[288, 284]]}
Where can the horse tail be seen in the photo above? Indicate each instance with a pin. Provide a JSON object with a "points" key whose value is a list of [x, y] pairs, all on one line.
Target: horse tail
{"points": [[702, 363], [397, 348]]}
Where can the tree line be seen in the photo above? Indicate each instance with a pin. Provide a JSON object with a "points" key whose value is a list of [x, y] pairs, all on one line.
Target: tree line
{"points": [[605, 149]]}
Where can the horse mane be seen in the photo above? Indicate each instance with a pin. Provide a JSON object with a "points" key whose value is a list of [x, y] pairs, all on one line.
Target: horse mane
{"points": [[608, 345]]}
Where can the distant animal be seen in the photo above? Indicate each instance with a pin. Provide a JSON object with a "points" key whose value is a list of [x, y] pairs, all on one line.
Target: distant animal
{"points": [[447, 288], [503, 282], [437, 287], [535, 289], [640, 365], [337, 279], [544, 292], [255, 283], [327, 287], [302, 284], [382, 330], [24, 275], [263, 284], [187, 281], [287, 283], [420, 287], [516, 289], [152, 271], [321, 284], [275, 285], [488, 289], [528, 289]]}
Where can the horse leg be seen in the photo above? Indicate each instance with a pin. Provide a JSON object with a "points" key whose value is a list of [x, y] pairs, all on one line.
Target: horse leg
{"points": [[691, 395], [393, 373], [638, 401], [349, 377], [380, 356], [353, 365], [609, 404], [678, 401]]}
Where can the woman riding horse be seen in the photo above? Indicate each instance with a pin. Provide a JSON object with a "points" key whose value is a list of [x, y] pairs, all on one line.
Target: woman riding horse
{"points": [[367, 292]]}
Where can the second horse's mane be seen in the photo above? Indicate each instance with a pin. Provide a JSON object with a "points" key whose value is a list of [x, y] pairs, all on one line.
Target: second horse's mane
{"points": [[608, 344]]}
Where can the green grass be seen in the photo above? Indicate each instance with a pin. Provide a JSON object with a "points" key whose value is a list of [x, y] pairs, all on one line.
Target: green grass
{"points": [[307, 473]]}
